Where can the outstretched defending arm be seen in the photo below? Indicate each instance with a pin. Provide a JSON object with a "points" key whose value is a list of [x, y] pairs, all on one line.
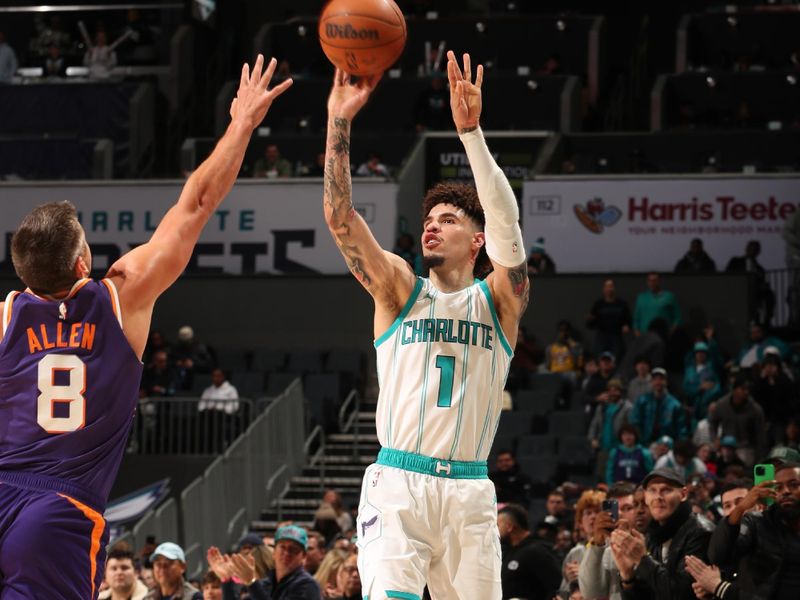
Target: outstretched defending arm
{"points": [[509, 281], [144, 273], [386, 276]]}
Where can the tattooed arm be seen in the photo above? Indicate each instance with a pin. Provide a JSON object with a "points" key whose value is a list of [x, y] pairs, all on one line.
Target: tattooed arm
{"points": [[386, 276]]}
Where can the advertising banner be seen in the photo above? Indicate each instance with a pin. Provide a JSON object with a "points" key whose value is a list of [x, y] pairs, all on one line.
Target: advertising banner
{"points": [[516, 154], [619, 225], [259, 228]]}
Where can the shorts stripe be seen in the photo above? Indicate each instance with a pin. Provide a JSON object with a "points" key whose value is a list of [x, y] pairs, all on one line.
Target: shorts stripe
{"points": [[98, 525], [401, 595]]}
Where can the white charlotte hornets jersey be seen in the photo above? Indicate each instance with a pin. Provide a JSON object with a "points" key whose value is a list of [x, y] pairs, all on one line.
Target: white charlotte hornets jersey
{"points": [[442, 367]]}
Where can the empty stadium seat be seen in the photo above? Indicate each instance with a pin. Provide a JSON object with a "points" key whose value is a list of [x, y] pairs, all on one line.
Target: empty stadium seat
{"points": [[567, 423], [574, 450], [268, 360], [540, 470], [536, 445]]}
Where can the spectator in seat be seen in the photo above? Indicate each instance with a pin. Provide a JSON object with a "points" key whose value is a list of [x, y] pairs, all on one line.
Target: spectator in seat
{"points": [[700, 383], [121, 577], [191, 356], [609, 417], [289, 580], [373, 167], [528, 356], [510, 484], [597, 383], [611, 318], [272, 165], [404, 248], [155, 342], [653, 566], [586, 511], [432, 106], [682, 460], [640, 384], [696, 260], [8, 60], [211, 586], [221, 395], [558, 512], [539, 261], [768, 542], [328, 571], [598, 575], [565, 356], [752, 352], [655, 303], [343, 518], [727, 456], [348, 581], [738, 415], [54, 64], [159, 379], [775, 393], [658, 412], [317, 169], [169, 566], [100, 58], [315, 553], [791, 437], [761, 294], [529, 566], [661, 446], [629, 461]]}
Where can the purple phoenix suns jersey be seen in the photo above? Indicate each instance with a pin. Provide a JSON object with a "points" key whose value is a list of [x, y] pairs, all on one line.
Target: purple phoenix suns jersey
{"points": [[69, 384]]}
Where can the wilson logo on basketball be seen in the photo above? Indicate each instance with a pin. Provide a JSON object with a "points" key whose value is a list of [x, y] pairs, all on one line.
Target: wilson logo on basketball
{"points": [[596, 216], [348, 32]]}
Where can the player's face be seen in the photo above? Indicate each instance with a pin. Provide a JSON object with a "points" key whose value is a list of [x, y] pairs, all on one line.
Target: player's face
{"points": [[120, 574], [449, 235]]}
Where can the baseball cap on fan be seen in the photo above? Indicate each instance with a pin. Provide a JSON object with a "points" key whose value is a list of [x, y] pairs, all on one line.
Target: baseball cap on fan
{"points": [[169, 550], [293, 533]]}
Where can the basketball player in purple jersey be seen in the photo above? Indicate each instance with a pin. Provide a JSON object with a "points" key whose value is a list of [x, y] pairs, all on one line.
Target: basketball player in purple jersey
{"points": [[70, 364]]}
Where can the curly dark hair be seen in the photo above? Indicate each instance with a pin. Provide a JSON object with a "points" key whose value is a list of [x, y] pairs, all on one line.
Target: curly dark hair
{"points": [[461, 195], [465, 197]]}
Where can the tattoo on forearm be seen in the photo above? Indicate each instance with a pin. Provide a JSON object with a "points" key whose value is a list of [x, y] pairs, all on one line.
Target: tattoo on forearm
{"points": [[520, 283], [338, 196], [464, 130]]}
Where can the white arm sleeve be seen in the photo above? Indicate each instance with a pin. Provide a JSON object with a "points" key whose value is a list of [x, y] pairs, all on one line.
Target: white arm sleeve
{"points": [[504, 243]]}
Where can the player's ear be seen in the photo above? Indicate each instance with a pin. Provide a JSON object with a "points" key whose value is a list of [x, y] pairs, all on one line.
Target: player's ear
{"points": [[81, 270], [479, 240]]}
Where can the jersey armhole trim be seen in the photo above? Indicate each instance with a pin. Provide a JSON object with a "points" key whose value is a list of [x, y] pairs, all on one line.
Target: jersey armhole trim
{"points": [[406, 309], [7, 310], [115, 306], [500, 333]]}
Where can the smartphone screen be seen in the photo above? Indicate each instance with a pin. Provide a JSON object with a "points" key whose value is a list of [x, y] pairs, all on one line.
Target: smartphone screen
{"points": [[611, 506], [762, 473]]}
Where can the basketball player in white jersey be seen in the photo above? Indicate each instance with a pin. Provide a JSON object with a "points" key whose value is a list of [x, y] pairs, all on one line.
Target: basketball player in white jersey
{"points": [[428, 512]]}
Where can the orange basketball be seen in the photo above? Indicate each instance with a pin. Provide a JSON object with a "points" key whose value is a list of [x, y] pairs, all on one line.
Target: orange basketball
{"points": [[362, 37]]}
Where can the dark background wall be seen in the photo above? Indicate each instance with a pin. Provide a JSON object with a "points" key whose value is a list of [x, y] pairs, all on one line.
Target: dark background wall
{"points": [[335, 312]]}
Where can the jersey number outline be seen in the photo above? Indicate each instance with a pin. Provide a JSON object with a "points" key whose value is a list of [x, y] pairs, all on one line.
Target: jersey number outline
{"points": [[71, 394], [446, 365]]}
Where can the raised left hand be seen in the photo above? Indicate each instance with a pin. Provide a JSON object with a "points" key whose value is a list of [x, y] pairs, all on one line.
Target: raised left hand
{"points": [[252, 98], [243, 567], [465, 96]]}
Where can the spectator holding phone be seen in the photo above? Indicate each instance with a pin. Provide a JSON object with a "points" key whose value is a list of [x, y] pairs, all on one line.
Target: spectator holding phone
{"points": [[769, 541], [598, 575]]}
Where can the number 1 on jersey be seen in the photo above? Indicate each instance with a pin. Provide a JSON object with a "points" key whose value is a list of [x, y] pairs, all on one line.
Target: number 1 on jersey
{"points": [[446, 366]]}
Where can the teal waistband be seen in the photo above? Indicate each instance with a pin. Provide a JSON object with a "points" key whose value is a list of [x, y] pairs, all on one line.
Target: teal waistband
{"points": [[427, 465]]}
